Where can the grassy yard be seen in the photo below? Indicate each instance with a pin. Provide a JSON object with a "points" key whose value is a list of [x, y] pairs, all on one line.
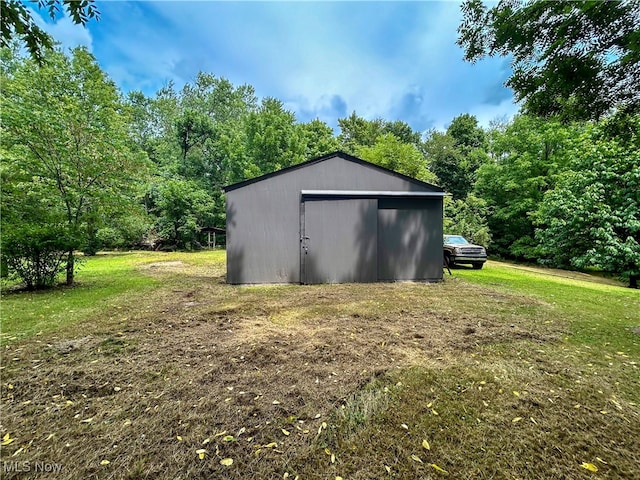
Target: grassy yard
{"points": [[153, 367]]}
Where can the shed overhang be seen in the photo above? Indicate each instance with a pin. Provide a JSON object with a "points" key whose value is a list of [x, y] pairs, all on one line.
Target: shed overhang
{"points": [[310, 194]]}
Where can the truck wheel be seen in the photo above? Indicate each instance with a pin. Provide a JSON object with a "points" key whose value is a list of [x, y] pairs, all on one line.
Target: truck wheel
{"points": [[448, 260], [477, 265]]}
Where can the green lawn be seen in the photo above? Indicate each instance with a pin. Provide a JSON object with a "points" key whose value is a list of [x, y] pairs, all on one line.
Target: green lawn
{"points": [[599, 313], [104, 281]]}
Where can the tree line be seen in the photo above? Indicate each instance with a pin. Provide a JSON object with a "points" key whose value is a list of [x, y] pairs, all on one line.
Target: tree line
{"points": [[85, 167]]}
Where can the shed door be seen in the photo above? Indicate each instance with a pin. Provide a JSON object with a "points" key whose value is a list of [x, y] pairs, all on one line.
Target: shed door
{"points": [[339, 240], [409, 239]]}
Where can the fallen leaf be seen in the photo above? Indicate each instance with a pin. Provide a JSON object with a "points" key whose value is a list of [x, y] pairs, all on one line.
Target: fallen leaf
{"points": [[405, 426], [271, 445], [439, 469], [206, 440], [179, 438], [226, 462], [127, 422], [333, 458], [275, 402], [228, 438], [434, 412], [6, 440], [517, 394], [589, 466], [516, 420], [416, 458], [88, 420], [286, 432], [201, 453], [387, 468], [426, 445], [601, 460], [105, 462]]}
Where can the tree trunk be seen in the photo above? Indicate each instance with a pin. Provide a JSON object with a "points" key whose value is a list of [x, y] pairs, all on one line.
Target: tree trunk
{"points": [[633, 281], [70, 267]]}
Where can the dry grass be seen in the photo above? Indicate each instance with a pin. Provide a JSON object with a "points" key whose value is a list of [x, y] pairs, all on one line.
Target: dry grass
{"points": [[318, 381]]}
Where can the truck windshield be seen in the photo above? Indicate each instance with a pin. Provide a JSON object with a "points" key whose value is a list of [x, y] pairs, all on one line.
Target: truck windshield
{"points": [[455, 239]]}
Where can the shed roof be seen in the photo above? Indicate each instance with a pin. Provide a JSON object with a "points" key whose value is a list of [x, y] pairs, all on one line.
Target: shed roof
{"points": [[213, 230], [344, 156]]}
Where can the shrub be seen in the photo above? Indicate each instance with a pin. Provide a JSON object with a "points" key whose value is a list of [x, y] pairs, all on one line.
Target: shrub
{"points": [[35, 254]]}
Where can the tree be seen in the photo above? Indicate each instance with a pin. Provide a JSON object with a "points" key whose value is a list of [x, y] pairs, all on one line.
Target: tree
{"points": [[356, 132], [575, 59], [273, 139], [468, 218], [197, 133], [65, 125], [183, 207], [16, 22], [465, 132], [526, 158], [592, 217], [34, 238], [192, 129], [390, 152], [455, 156], [318, 139]]}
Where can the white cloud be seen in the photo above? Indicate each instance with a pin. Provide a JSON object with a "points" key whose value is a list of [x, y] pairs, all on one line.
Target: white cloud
{"points": [[64, 31]]}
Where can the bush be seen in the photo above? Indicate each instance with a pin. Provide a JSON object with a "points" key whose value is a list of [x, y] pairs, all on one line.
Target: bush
{"points": [[36, 255]]}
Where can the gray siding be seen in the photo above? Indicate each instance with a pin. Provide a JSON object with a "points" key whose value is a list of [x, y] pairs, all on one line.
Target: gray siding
{"points": [[264, 219]]}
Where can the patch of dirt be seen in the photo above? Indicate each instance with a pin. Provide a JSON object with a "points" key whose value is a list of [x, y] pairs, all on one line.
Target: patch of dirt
{"points": [[169, 265], [68, 346], [207, 360]]}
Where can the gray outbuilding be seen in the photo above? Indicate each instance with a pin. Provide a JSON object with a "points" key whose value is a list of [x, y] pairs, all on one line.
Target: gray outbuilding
{"points": [[333, 219]]}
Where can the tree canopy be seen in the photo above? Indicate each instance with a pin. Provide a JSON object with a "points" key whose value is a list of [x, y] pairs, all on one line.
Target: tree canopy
{"points": [[592, 217], [578, 59], [65, 127]]}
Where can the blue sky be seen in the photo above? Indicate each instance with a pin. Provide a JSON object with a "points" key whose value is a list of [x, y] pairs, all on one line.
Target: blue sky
{"points": [[394, 60]]}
